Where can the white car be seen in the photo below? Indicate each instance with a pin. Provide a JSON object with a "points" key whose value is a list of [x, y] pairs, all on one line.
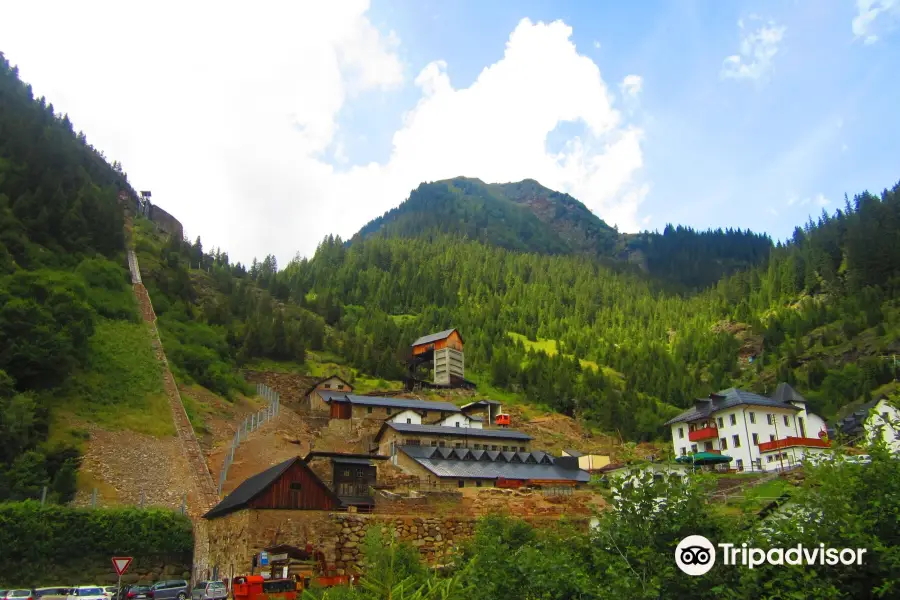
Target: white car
{"points": [[87, 592], [110, 591]]}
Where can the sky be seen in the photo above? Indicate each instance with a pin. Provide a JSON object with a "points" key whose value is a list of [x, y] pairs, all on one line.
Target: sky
{"points": [[263, 127]]}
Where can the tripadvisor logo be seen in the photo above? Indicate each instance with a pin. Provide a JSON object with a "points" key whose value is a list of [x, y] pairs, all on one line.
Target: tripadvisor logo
{"points": [[696, 555]]}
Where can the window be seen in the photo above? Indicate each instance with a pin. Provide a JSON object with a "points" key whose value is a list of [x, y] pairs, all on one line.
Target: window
{"points": [[457, 424], [756, 439], [461, 483], [681, 433], [493, 447], [387, 410], [759, 464], [740, 465], [414, 442], [723, 444], [340, 386], [360, 473], [478, 446], [506, 448], [694, 448], [296, 487], [327, 386], [771, 438], [433, 443], [477, 483], [369, 410], [684, 451], [457, 445], [408, 420], [733, 418], [441, 444], [522, 449], [736, 439], [885, 416], [721, 423], [769, 419], [787, 421], [769, 458], [752, 418]]}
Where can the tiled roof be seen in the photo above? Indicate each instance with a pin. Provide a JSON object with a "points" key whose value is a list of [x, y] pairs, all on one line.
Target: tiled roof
{"points": [[727, 399], [477, 464], [852, 425], [470, 432], [785, 393], [406, 403], [433, 337]]}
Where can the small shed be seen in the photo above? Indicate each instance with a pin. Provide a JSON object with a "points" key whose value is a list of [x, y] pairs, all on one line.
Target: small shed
{"points": [[438, 341]]}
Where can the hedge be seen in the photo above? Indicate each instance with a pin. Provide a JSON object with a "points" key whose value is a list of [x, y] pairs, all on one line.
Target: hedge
{"points": [[47, 536]]}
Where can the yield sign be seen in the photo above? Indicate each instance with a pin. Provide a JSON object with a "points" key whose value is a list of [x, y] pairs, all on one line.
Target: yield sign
{"points": [[121, 563]]}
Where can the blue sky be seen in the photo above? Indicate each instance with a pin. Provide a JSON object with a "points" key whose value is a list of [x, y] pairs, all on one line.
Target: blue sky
{"points": [[762, 153], [265, 128]]}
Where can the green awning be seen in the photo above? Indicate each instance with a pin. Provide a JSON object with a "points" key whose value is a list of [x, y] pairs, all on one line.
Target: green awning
{"points": [[704, 458]]}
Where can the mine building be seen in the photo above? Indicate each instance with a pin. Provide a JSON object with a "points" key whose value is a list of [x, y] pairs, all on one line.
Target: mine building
{"points": [[442, 352], [352, 406], [392, 435]]}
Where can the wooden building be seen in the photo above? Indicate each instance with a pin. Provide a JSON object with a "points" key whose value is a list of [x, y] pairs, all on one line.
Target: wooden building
{"points": [[352, 406], [289, 485], [350, 476], [314, 399], [445, 351]]}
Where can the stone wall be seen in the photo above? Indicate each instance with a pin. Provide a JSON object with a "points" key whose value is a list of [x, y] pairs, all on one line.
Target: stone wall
{"points": [[80, 570], [236, 538], [166, 222]]}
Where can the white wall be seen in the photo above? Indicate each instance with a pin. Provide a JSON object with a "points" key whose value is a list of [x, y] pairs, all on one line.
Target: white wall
{"points": [[407, 416], [884, 420], [748, 420], [459, 420]]}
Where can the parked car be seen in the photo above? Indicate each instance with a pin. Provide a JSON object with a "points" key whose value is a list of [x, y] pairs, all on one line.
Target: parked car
{"points": [[170, 590], [50, 592], [20, 594], [209, 590], [134, 592], [86, 592]]}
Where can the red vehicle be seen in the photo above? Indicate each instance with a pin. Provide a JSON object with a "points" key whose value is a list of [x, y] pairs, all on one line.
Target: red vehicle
{"points": [[254, 587]]}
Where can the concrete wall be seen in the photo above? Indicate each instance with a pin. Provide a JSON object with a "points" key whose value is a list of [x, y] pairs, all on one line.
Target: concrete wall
{"points": [[412, 416], [463, 420]]}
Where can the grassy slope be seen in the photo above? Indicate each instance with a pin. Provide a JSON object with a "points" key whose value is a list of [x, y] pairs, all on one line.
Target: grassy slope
{"points": [[548, 347], [121, 388]]}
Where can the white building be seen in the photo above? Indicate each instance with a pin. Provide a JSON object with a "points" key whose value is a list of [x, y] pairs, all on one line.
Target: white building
{"points": [[461, 420], [409, 416], [873, 419], [758, 433]]}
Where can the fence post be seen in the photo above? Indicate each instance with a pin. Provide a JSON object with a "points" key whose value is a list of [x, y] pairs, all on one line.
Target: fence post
{"points": [[43, 495], [183, 503], [94, 498], [141, 505]]}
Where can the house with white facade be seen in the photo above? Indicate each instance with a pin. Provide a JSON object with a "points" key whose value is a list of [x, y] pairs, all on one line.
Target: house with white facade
{"points": [[461, 420], [872, 420], [759, 433]]}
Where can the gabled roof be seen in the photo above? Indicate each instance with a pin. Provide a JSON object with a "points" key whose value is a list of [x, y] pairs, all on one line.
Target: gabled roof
{"points": [[496, 466], [257, 484], [342, 455], [402, 403], [465, 432], [725, 399], [434, 337], [321, 381], [853, 425], [480, 404]]}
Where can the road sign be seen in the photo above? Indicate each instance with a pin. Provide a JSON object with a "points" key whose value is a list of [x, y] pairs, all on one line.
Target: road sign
{"points": [[121, 564], [264, 559]]}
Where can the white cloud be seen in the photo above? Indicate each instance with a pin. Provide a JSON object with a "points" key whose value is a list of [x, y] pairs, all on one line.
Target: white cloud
{"points": [[818, 200], [631, 86], [757, 51], [867, 17], [596, 44], [237, 140]]}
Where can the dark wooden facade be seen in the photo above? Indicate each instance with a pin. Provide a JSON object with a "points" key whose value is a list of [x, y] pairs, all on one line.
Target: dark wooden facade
{"points": [[297, 488], [341, 410], [353, 479]]}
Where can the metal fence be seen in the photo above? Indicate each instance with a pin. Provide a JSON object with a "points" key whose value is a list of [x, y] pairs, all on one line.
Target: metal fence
{"points": [[249, 425]]}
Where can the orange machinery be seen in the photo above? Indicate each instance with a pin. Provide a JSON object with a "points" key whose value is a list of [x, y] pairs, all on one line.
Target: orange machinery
{"points": [[502, 420], [255, 587]]}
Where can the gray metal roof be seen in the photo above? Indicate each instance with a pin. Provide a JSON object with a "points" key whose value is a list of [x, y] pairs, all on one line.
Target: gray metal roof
{"points": [[499, 467], [853, 424], [433, 337], [410, 403], [352, 461], [726, 399], [785, 393], [480, 404], [467, 432], [571, 452]]}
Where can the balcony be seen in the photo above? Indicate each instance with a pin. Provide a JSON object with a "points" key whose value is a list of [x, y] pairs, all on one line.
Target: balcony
{"points": [[790, 442], [707, 433]]}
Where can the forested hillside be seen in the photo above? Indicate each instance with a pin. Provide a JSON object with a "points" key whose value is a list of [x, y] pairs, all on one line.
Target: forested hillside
{"points": [[61, 280], [528, 217]]}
